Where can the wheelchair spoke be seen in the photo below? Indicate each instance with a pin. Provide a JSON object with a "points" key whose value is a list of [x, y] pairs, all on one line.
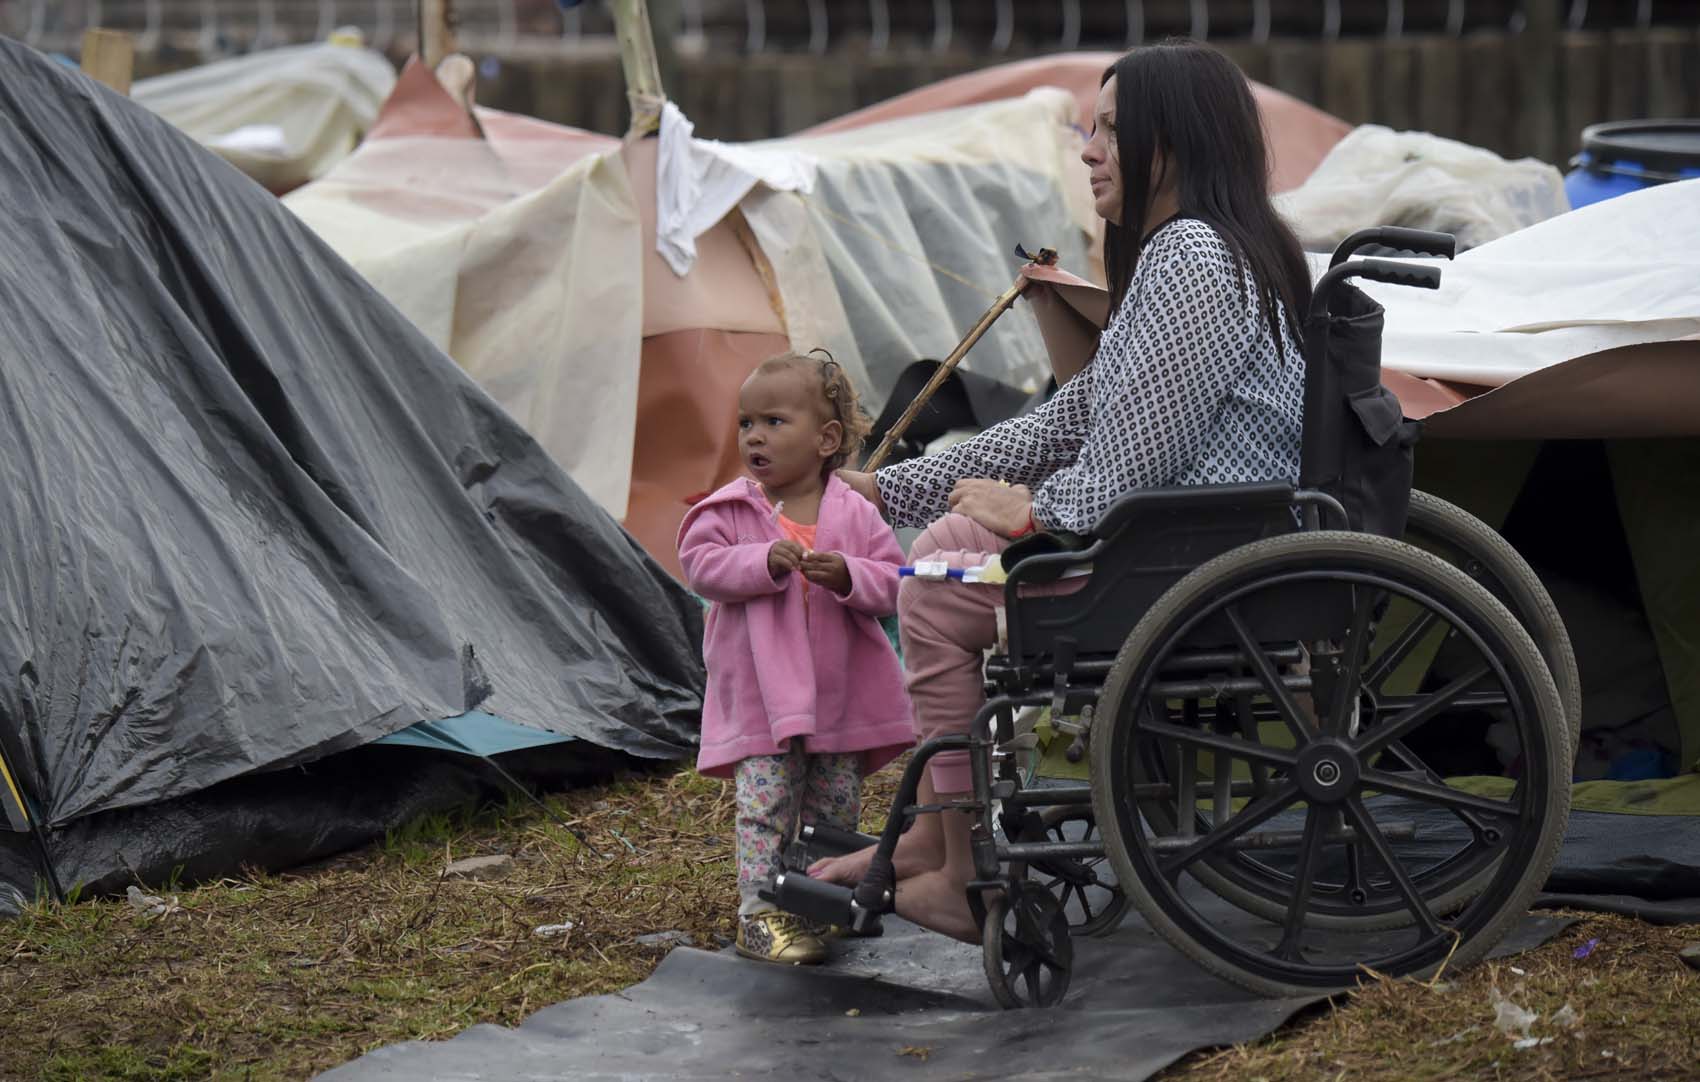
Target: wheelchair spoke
{"points": [[1239, 749], [1351, 666], [1445, 796], [1304, 879], [1403, 725], [1031, 976], [1415, 762], [1401, 879], [1248, 729], [1016, 956], [1258, 811], [1295, 718], [1395, 655]]}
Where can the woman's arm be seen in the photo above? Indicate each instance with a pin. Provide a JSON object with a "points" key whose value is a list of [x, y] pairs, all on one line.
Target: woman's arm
{"points": [[1070, 338], [1181, 342], [1021, 450]]}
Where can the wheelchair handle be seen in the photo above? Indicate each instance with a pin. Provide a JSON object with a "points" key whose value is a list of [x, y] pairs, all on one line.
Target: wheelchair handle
{"points": [[1418, 241], [1390, 271], [1396, 273]]}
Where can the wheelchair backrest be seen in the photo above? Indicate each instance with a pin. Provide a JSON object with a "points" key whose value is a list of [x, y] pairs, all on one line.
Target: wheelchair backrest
{"points": [[1357, 445]]}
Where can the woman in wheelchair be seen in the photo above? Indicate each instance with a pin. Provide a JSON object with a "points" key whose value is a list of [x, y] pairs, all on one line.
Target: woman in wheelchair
{"points": [[1196, 378]]}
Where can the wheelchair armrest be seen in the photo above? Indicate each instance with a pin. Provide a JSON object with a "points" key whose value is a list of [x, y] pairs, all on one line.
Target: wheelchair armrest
{"points": [[1044, 556], [1149, 501]]}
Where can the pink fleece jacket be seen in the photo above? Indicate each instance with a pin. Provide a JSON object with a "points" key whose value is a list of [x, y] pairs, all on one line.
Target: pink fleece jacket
{"points": [[778, 669]]}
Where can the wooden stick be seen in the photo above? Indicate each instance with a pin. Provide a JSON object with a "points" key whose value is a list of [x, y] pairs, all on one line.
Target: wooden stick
{"points": [[998, 308], [642, 69], [109, 57], [436, 31]]}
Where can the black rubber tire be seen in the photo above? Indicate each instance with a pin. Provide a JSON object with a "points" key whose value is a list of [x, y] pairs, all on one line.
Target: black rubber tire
{"points": [[1043, 920], [1114, 910], [1504, 572], [1295, 551], [1514, 582]]}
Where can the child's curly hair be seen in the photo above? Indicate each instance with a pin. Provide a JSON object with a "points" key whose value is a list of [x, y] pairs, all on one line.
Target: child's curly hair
{"points": [[838, 396]]}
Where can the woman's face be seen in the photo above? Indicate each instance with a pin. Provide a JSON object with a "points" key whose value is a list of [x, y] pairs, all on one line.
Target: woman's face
{"points": [[1102, 158]]}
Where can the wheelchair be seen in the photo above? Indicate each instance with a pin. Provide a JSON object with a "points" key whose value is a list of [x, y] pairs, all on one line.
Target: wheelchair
{"points": [[1261, 677]]}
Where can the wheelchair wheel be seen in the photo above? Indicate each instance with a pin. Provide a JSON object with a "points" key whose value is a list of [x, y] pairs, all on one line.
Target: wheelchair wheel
{"points": [[1318, 816], [1026, 948], [1469, 544], [1465, 541], [1085, 887]]}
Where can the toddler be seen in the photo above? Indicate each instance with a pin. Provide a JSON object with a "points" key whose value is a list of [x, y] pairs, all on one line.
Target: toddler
{"points": [[805, 694]]}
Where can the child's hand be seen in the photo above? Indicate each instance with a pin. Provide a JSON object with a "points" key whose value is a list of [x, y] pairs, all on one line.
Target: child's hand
{"points": [[827, 569], [784, 557]]}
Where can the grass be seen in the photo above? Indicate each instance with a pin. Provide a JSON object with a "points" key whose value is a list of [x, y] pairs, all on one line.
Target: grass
{"points": [[265, 977]]}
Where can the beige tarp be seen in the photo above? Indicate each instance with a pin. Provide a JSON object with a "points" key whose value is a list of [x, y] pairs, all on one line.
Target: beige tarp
{"points": [[283, 116], [528, 251]]}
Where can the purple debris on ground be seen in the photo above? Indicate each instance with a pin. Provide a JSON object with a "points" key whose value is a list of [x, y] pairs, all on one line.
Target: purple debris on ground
{"points": [[1587, 948]]}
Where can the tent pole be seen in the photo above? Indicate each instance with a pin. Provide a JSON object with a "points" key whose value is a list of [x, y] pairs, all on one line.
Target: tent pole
{"points": [[436, 31], [642, 69], [16, 815]]}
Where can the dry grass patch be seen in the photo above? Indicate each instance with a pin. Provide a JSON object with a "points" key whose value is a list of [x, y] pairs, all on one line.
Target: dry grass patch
{"points": [[279, 976], [1634, 1013]]}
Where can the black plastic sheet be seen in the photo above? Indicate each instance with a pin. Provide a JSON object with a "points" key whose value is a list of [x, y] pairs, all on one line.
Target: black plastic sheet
{"points": [[908, 1005], [250, 516]]}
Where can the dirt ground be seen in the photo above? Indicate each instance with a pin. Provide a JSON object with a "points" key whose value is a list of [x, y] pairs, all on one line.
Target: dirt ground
{"points": [[279, 976]]}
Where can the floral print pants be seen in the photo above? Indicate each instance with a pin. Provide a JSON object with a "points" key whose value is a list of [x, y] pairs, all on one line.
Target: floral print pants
{"points": [[777, 794]]}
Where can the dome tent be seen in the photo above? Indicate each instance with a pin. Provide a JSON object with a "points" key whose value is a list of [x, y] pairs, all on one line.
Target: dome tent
{"points": [[253, 521]]}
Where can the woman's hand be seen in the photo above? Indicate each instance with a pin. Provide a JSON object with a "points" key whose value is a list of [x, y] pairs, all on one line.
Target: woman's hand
{"points": [[1069, 338], [1002, 508], [828, 569], [864, 486]]}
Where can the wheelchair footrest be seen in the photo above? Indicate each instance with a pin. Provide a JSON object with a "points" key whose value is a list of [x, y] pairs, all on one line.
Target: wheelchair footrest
{"points": [[829, 841], [823, 903]]}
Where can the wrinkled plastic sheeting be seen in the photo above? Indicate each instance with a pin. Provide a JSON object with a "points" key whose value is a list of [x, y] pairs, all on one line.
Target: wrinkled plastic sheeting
{"points": [[910, 1004], [918, 219], [251, 516], [1376, 176], [283, 116], [276, 819]]}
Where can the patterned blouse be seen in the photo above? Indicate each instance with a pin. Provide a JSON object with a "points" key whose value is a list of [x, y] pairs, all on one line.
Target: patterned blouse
{"points": [[1188, 387]]}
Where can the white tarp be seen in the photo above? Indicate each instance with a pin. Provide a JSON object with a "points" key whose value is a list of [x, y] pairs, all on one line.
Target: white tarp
{"points": [[918, 219], [283, 116], [1620, 272], [1377, 176]]}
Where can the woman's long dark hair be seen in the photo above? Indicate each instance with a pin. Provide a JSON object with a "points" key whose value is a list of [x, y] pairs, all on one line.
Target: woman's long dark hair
{"points": [[1190, 102]]}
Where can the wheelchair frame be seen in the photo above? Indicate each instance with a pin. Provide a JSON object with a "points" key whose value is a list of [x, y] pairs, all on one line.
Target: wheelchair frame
{"points": [[1064, 651]]}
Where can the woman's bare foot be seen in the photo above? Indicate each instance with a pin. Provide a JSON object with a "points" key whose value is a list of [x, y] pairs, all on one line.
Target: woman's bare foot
{"points": [[937, 900], [917, 851]]}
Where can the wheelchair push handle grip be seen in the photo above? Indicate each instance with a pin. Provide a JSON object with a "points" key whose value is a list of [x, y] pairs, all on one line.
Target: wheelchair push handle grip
{"points": [[1393, 272], [1418, 241]]}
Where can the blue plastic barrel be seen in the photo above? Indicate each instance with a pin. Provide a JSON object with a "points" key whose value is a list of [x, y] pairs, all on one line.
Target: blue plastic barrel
{"points": [[1626, 155]]}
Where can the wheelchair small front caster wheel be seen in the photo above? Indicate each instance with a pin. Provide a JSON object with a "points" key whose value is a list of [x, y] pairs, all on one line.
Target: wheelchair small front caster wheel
{"points": [[1028, 953]]}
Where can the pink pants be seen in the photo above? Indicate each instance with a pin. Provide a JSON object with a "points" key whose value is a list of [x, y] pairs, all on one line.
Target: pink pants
{"points": [[944, 627]]}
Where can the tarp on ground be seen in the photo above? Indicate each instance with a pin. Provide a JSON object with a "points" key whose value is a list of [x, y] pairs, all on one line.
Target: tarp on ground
{"points": [[492, 235], [251, 517], [283, 116]]}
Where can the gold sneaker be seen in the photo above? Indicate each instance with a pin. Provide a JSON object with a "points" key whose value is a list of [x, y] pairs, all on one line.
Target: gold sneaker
{"points": [[779, 937]]}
